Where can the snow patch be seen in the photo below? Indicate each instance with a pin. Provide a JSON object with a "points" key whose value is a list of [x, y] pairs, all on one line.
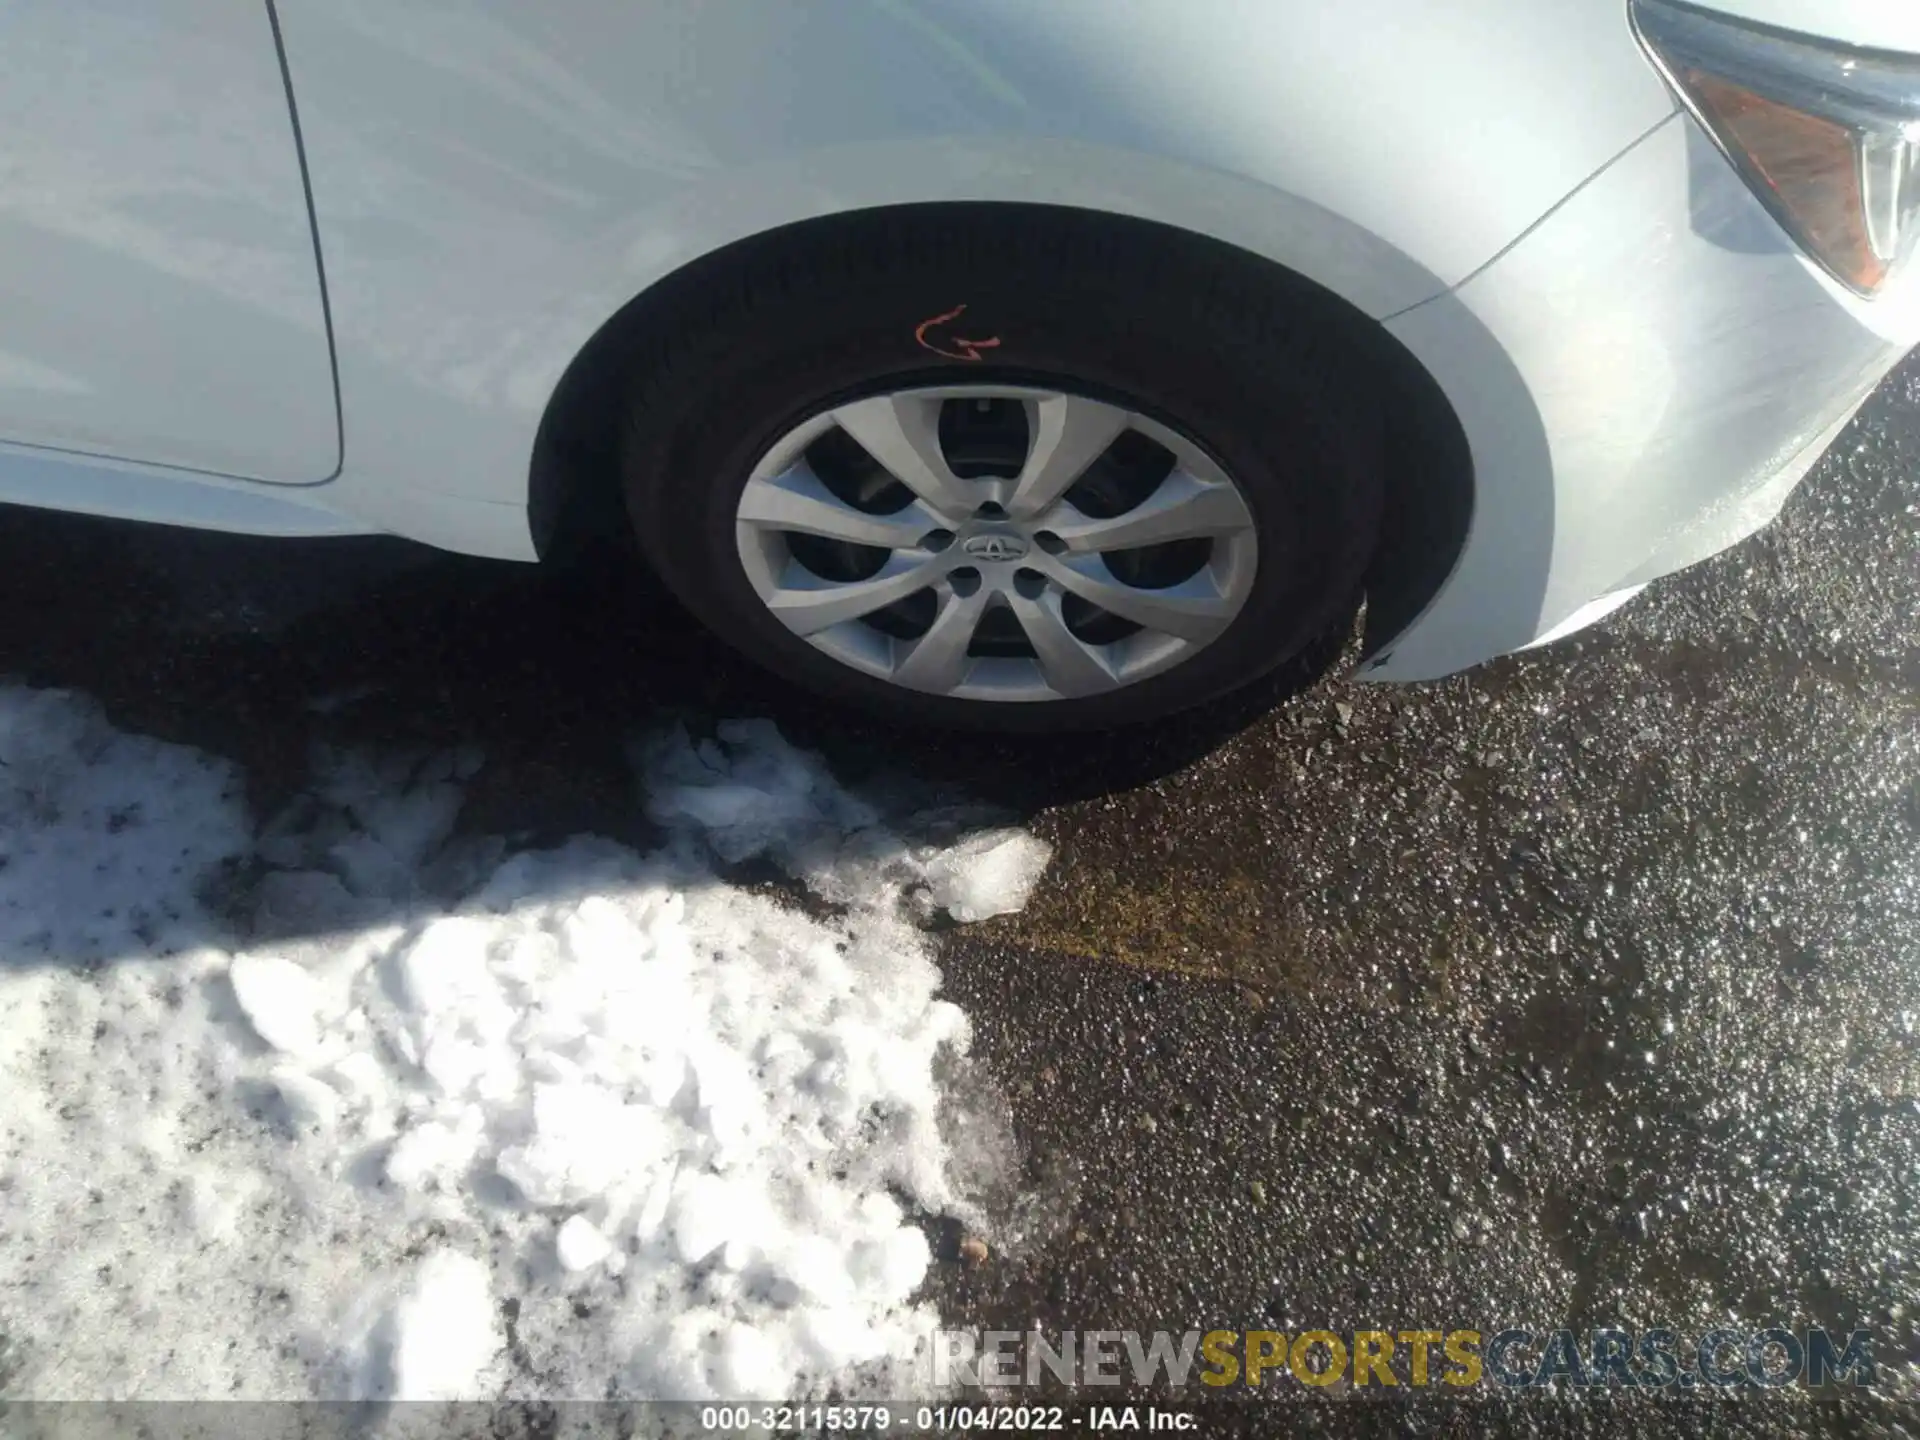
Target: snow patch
{"points": [[280, 1000], [432, 1337], [679, 1132], [580, 1245]]}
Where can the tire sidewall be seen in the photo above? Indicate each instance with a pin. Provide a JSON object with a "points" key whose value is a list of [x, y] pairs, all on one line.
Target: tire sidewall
{"points": [[1300, 463]]}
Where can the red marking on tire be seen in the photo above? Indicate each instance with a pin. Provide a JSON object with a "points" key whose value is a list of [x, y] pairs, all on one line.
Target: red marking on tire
{"points": [[967, 349]]}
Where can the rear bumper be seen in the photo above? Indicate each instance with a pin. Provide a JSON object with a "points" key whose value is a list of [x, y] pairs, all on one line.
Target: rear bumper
{"points": [[1643, 379]]}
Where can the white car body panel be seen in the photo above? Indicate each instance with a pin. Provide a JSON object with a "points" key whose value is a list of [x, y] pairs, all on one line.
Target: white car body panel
{"points": [[1642, 380], [160, 300], [100, 485], [494, 181], [1642, 361]]}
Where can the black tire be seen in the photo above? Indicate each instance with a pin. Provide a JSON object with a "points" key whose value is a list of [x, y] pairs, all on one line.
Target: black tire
{"points": [[1213, 343]]}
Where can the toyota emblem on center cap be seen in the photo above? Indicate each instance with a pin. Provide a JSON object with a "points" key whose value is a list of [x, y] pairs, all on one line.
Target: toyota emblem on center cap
{"points": [[995, 548]]}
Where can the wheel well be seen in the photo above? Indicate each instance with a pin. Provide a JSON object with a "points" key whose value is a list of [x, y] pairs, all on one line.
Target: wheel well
{"points": [[574, 503]]}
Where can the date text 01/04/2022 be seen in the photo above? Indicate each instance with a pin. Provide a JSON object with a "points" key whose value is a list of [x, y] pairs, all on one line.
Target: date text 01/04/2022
{"points": [[938, 1419]]}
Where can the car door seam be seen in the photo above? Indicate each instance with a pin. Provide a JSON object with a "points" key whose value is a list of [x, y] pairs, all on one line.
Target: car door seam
{"points": [[319, 257]]}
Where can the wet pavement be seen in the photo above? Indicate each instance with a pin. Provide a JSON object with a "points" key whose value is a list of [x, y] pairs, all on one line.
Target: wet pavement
{"points": [[1578, 991]]}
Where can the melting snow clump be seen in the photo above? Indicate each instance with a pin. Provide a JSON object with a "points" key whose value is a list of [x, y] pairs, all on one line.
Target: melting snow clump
{"points": [[278, 1124], [986, 875]]}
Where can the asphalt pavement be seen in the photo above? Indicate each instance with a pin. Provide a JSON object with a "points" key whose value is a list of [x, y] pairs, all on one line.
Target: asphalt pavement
{"points": [[1582, 990]]}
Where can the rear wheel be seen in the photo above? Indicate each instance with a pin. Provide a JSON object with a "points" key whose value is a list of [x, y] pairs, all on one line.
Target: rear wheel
{"points": [[1016, 470]]}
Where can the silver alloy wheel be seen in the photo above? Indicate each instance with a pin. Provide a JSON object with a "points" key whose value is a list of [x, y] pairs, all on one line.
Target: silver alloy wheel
{"points": [[1015, 541]]}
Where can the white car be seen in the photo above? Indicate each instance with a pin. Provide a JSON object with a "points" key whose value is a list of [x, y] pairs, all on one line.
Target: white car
{"points": [[1030, 364]]}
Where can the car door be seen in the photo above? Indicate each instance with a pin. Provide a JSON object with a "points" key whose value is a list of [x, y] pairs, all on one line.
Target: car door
{"points": [[160, 291]]}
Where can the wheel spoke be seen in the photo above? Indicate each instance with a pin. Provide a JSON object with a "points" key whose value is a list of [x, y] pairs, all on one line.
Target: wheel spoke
{"points": [[1070, 433], [1195, 609], [902, 433], [1068, 664], [937, 661], [1181, 508], [795, 500], [806, 604]]}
